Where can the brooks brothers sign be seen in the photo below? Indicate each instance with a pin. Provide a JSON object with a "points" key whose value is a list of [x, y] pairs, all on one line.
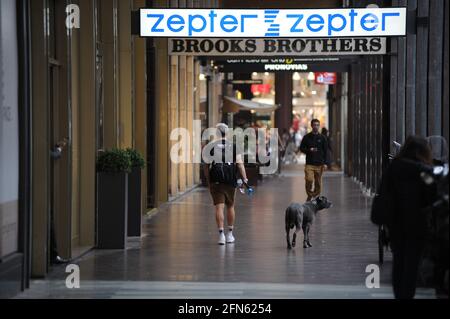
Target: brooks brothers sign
{"points": [[277, 47]]}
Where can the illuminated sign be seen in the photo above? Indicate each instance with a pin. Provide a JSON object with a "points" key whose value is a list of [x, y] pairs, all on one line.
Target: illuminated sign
{"points": [[285, 67], [261, 88], [245, 81], [272, 23], [277, 47], [286, 64], [325, 78]]}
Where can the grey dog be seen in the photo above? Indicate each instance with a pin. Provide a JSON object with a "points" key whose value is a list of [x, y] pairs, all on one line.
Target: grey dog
{"points": [[302, 216]]}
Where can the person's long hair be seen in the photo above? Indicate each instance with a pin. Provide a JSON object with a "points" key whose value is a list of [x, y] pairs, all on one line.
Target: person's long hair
{"points": [[417, 149]]}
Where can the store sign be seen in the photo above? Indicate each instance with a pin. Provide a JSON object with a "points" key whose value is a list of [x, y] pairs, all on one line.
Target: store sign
{"points": [[285, 67], [272, 23], [9, 130], [267, 64], [261, 88], [277, 47], [238, 82], [325, 77]]}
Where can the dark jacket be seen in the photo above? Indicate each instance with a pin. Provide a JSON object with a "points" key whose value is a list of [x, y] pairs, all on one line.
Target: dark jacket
{"points": [[321, 157], [403, 196], [401, 206]]}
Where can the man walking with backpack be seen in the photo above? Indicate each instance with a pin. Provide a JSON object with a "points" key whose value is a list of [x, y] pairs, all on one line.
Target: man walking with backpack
{"points": [[222, 178]]}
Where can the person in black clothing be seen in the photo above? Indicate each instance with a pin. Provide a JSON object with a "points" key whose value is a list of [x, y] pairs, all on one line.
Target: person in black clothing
{"points": [[315, 146], [402, 198]]}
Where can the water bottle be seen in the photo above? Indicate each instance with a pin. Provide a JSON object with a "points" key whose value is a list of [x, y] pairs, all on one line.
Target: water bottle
{"points": [[240, 184], [250, 190], [243, 185]]}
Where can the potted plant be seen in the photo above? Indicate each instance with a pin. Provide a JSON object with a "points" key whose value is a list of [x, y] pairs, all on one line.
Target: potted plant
{"points": [[134, 193], [113, 167]]}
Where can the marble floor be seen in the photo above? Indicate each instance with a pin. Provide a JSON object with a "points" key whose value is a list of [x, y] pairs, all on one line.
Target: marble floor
{"points": [[178, 256]]}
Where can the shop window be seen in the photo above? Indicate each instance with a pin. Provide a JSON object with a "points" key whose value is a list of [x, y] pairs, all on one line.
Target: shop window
{"points": [[9, 130]]}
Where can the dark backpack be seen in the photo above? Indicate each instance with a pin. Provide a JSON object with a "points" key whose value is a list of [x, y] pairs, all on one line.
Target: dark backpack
{"points": [[224, 173]]}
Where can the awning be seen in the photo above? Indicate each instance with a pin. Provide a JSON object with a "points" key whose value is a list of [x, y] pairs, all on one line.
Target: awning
{"points": [[233, 105]]}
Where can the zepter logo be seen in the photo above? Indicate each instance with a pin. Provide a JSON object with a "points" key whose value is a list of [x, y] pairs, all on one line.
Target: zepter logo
{"points": [[257, 23]]}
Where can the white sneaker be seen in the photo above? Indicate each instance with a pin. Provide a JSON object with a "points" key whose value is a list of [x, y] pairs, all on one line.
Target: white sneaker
{"points": [[221, 239], [230, 238]]}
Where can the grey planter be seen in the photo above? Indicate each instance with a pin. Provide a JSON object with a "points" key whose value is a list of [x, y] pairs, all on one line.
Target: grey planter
{"points": [[134, 203], [112, 210]]}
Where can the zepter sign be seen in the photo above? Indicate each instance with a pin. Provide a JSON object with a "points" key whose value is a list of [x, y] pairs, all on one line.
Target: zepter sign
{"points": [[271, 23]]}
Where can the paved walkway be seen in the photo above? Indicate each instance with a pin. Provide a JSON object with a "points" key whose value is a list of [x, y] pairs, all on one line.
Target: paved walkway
{"points": [[179, 257]]}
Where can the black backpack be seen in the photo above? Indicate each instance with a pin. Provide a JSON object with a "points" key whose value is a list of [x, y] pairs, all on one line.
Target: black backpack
{"points": [[224, 173], [381, 206]]}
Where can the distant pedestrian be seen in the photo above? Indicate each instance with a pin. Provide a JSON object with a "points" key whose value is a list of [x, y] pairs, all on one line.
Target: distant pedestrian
{"points": [[315, 146], [283, 141]]}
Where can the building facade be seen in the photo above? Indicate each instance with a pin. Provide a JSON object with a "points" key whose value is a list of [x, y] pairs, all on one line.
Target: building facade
{"points": [[100, 86], [91, 87], [402, 93]]}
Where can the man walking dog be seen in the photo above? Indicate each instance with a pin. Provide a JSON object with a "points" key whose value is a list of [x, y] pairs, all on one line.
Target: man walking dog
{"points": [[222, 180], [314, 145]]}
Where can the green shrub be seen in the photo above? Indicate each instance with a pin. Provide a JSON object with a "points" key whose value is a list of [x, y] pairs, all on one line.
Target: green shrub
{"points": [[136, 158], [114, 161]]}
